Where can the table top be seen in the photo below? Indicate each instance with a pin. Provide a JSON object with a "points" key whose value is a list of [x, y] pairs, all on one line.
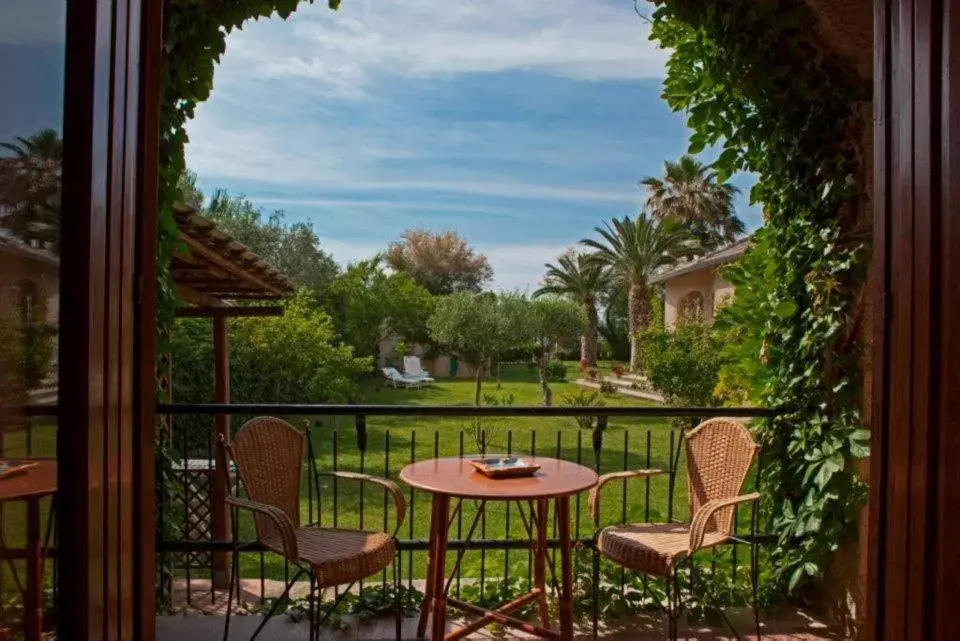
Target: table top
{"points": [[456, 477], [37, 482]]}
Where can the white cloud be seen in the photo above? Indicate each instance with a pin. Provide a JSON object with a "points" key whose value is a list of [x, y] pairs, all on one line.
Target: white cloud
{"points": [[519, 267], [516, 267], [343, 52]]}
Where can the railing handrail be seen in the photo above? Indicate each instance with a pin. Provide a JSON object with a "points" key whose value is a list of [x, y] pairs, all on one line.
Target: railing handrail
{"points": [[317, 409]]}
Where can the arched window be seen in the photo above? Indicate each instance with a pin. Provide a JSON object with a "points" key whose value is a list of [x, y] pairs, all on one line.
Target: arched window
{"points": [[691, 308]]}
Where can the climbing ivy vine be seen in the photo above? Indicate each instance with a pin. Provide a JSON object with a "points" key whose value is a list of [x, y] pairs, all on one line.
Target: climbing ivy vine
{"points": [[755, 83], [195, 38], [195, 33]]}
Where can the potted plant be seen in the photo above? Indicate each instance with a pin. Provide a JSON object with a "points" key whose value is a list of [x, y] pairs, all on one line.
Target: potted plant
{"points": [[618, 370]]}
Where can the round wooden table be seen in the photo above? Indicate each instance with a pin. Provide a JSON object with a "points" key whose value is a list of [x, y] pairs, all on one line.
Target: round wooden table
{"points": [[456, 478], [32, 486]]}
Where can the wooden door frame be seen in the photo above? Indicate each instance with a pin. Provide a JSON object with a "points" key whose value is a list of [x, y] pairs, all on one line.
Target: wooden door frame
{"points": [[914, 569], [106, 522]]}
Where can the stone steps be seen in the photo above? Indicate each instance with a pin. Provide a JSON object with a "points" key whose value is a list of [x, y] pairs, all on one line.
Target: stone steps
{"points": [[622, 389]]}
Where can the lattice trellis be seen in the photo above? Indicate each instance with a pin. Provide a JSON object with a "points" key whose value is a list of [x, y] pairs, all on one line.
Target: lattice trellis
{"points": [[197, 475]]}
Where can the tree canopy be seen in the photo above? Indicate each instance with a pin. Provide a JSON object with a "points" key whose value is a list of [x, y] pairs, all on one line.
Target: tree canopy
{"points": [[293, 249], [442, 262], [692, 193], [634, 249], [552, 322], [30, 176], [476, 327], [586, 281], [371, 305]]}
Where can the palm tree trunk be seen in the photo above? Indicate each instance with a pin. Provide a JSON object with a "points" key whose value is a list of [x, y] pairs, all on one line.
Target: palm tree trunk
{"points": [[588, 342], [638, 317]]}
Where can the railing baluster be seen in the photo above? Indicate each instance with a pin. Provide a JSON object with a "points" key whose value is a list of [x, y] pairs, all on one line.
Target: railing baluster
{"points": [[623, 508], [646, 503], [506, 553], [576, 508], [363, 458], [413, 459], [733, 546], [460, 518], [185, 480], [336, 494], [483, 522], [553, 558], [672, 476], [533, 453], [386, 475], [211, 480]]}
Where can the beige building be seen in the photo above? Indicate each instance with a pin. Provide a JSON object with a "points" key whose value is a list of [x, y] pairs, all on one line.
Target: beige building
{"points": [[695, 289]]}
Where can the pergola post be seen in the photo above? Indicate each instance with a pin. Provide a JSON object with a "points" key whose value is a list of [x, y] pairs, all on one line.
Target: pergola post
{"points": [[221, 475]]}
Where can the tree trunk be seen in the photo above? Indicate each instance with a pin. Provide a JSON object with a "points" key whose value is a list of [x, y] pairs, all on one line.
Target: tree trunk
{"points": [[588, 342], [478, 381], [544, 388], [478, 438], [638, 317]]}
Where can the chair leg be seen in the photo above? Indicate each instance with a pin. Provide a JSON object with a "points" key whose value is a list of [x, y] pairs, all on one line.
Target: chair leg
{"points": [[312, 603], [754, 582], [596, 588], [233, 582], [276, 604], [671, 621]]}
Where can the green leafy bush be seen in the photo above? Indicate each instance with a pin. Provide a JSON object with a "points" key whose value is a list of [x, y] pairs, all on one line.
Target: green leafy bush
{"points": [[683, 365], [26, 355], [581, 397], [294, 358], [557, 371]]}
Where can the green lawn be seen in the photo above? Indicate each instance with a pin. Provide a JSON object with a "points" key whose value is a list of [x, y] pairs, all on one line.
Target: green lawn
{"points": [[426, 437]]}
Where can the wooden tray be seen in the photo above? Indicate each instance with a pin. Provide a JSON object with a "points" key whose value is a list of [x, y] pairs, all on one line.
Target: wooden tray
{"points": [[504, 467]]}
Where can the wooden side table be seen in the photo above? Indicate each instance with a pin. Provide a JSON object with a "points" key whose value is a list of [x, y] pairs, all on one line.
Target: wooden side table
{"points": [[31, 487], [455, 478]]}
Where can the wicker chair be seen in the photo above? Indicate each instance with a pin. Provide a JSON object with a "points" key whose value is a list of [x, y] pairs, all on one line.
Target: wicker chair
{"points": [[268, 454], [720, 452]]}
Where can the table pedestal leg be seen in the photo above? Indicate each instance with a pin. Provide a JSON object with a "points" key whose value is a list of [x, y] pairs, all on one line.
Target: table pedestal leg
{"points": [[566, 581], [438, 532], [32, 601], [539, 516], [428, 592]]}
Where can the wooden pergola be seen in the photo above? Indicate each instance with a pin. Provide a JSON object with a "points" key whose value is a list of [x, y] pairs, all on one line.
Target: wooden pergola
{"points": [[211, 274]]}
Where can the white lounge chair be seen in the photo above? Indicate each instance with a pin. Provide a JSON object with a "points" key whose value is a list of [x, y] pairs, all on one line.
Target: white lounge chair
{"points": [[413, 369], [399, 380]]}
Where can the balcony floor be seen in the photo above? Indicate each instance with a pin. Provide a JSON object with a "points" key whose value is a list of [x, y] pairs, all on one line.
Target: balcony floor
{"points": [[203, 623]]}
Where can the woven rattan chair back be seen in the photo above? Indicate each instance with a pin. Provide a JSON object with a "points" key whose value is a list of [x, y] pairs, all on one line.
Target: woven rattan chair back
{"points": [[720, 452], [268, 453]]}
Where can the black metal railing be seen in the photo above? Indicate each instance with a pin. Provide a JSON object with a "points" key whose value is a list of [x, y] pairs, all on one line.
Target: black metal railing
{"points": [[387, 437]]}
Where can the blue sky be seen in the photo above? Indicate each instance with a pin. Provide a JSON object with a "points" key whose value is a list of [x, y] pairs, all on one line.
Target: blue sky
{"points": [[522, 125]]}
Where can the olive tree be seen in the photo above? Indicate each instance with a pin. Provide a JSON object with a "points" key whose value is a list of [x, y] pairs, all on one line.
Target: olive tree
{"points": [[476, 327], [550, 322]]}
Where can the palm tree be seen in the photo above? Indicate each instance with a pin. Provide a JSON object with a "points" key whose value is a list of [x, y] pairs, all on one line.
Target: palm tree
{"points": [[690, 192], [30, 187], [580, 279], [633, 249]]}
